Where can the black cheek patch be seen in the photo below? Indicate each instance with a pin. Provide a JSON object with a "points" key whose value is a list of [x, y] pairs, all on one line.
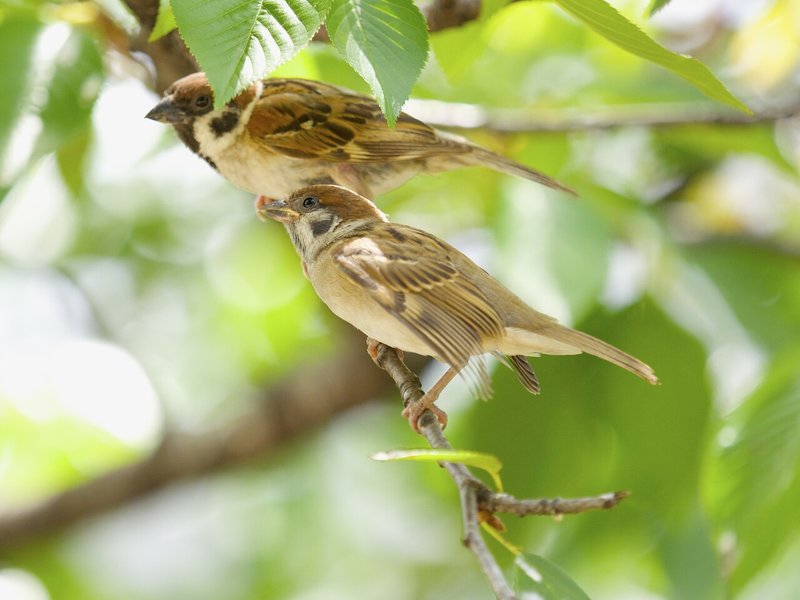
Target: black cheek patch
{"points": [[322, 226], [227, 122]]}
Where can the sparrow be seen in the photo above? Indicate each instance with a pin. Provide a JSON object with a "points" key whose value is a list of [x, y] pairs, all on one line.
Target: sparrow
{"points": [[282, 134], [410, 290]]}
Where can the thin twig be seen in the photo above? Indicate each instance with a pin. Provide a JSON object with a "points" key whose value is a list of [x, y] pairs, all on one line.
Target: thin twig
{"points": [[471, 116], [554, 506], [476, 497]]}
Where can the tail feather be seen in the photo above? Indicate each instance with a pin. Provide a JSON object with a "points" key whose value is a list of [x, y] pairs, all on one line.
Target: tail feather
{"points": [[601, 349], [506, 165], [525, 373]]}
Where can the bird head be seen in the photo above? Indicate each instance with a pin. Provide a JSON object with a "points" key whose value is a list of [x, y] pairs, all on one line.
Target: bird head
{"points": [[185, 99], [315, 213]]}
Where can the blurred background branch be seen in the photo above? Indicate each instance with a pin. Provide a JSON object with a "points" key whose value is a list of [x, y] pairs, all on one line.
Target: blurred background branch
{"points": [[304, 401], [171, 59], [472, 116]]}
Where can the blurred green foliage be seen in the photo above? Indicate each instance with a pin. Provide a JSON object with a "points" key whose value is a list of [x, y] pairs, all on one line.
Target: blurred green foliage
{"points": [[385, 41], [138, 292]]}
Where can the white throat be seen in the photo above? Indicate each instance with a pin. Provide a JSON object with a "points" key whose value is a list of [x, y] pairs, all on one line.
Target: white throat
{"points": [[312, 235], [211, 143]]}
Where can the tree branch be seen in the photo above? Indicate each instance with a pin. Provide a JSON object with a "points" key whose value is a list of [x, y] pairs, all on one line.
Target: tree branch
{"points": [[440, 14], [444, 14], [291, 408], [170, 55], [471, 116], [478, 502]]}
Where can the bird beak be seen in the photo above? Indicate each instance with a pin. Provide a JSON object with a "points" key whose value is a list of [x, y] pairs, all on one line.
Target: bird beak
{"points": [[278, 211], [166, 112]]}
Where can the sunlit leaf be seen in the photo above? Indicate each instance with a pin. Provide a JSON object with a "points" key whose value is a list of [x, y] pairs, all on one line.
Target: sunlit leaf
{"points": [[165, 21], [456, 49], [542, 579], [386, 42], [764, 52], [17, 37], [762, 287], [487, 462], [556, 253], [605, 20], [656, 5], [52, 455], [71, 158], [756, 482], [689, 556], [699, 147], [72, 91], [238, 42]]}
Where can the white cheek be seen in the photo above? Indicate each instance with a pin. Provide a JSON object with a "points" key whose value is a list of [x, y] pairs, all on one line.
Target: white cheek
{"points": [[306, 235], [210, 143]]}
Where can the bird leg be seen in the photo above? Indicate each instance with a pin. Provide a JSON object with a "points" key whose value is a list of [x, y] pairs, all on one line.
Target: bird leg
{"points": [[413, 411]]}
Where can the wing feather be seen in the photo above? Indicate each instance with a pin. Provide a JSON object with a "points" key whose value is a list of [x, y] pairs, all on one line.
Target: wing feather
{"points": [[417, 283], [306, 119]]}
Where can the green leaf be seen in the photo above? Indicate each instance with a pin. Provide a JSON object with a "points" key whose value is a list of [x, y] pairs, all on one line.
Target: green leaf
{"points": [[756, 483], [73, 89], [701, 147], [386, 42], [691, 561], [554, 250], [605, 20], [71, 158], [239, 42], [656, 5], [456, 49], [17, 37], [165, 21], [542, 579], [751, 276], [489, 463]]}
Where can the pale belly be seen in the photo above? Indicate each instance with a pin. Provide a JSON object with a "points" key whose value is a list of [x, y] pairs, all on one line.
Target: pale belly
{"points": [[366, 315], [279, 176], [275, 178]]}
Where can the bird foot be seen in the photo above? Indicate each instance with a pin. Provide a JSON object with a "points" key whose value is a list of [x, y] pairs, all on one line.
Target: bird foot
{"points": [[261, 200], [414, 411], [373, 349]]}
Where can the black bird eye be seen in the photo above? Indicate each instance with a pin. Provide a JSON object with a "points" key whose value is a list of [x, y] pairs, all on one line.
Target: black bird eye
{"points": [[310, 201], [202, 101]]}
